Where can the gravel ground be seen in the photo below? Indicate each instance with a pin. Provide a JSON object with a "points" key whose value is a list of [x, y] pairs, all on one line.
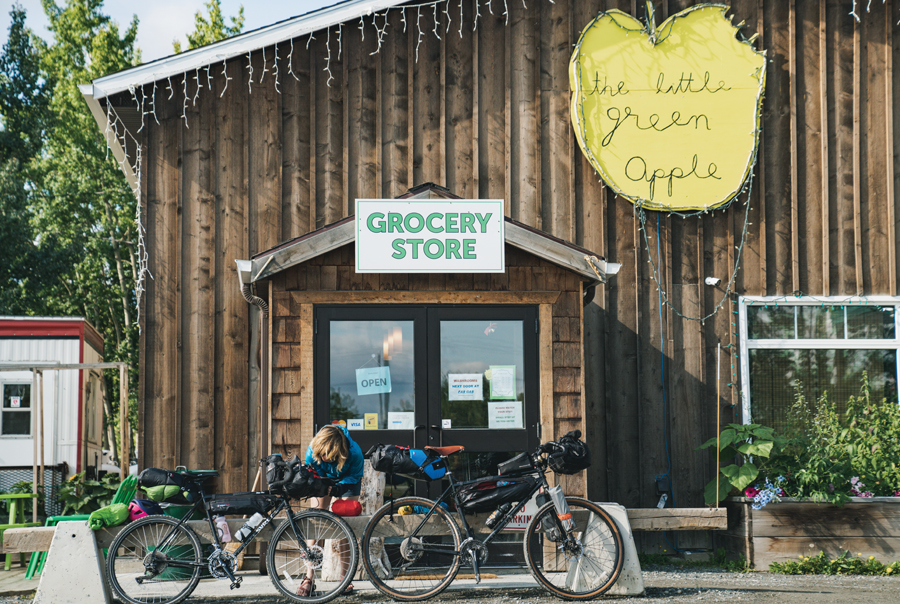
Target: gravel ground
{"points": [[663, 585]]}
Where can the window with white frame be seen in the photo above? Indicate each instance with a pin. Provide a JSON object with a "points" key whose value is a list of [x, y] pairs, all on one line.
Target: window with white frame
{"points": [[815, 346], [15, 415]]}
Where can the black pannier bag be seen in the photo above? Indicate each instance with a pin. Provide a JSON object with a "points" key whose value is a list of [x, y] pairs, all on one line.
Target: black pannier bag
{"points": [[520, 463], [241, 504], [166, 486], [304, 482], [414, 463], [487, 494], [570, 454]]}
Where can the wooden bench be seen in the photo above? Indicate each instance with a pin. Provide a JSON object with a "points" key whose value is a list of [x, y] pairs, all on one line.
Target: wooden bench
{"points": [[38, 539]]}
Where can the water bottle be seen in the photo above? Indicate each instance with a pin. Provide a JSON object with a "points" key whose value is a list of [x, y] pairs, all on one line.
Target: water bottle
{"points": [[245, 531], [223, 530], [551, 531], [499, 513], [562, 508]]}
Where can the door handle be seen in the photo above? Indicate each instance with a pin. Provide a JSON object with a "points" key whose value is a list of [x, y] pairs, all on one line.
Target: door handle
{"points": [[435, 427], [418, 427], [441, 433]]}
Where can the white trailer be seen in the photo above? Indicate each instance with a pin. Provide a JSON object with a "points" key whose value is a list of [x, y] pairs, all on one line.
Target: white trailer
{"points": [[72, 398]]}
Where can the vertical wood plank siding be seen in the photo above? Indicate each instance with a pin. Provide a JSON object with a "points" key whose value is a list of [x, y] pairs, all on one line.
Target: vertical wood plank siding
{"points": [[486, 115]]}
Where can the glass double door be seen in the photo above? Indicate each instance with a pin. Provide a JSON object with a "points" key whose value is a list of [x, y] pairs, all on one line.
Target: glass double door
{"points": [[431, 375]]}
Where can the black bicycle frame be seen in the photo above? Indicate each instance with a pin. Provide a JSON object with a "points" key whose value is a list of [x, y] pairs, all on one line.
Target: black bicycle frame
{"points": [[268, 518], [507, 518]]}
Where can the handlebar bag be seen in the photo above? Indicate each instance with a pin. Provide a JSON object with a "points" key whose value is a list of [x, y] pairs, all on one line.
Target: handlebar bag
{"points": [[305, 483], [414, 463], [487, 494], [570, 455], [277, 470], [241, 504]]}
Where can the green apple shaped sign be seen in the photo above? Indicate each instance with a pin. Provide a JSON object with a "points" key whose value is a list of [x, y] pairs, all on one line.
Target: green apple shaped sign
{"points": [[669, 115]]}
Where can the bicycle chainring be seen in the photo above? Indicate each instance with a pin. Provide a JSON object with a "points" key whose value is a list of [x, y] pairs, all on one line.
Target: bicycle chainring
{"points": [[219, 560], [470, 548]]}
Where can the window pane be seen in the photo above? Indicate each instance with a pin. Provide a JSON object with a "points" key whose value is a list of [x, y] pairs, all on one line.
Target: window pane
{"points": [[774, 322], [17, 396], [870, 322], [775, 376], [820, 322], [471, 395], [386, 349], [16, 423]]}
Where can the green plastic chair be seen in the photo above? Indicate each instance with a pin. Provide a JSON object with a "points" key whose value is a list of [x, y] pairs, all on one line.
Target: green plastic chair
{"points": [[124, 494]]}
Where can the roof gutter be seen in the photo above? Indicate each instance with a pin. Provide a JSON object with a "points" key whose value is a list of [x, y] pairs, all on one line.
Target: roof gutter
{"points": [[89, 92]]}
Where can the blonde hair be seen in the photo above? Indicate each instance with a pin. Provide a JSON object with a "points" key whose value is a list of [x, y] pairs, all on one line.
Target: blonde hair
{"points": [[331, 444]]}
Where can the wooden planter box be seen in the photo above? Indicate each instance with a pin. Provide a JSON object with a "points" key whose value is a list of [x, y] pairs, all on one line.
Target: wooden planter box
{"points": [[783, 531]]}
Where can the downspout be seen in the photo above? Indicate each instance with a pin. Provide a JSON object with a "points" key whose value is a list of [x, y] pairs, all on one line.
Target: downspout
{"points": [[244, 268]]}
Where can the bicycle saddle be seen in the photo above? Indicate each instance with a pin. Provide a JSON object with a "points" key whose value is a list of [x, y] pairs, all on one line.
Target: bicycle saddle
{"points": [[197, 476], [444, 451]]}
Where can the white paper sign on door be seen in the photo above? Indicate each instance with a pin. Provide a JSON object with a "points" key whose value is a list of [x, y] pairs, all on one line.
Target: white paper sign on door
{"points": [[401, 420], [505, 416], [503, 381], [464, 386]]}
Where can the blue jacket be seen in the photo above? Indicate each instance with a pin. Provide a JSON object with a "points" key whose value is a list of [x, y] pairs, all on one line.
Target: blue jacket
{"points": [[352, 471]]}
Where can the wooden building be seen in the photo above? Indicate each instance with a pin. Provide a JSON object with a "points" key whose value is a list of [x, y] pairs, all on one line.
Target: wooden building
{"points": [[241, 146]]}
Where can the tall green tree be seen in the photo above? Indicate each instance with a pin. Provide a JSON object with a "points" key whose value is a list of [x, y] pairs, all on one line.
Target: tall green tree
{"points": [[85, 204], [28, 262], [212, 29]]}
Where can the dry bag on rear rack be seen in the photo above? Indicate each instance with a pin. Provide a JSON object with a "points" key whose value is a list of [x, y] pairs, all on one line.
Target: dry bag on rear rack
{"points": [[241, 504], [163, 485], [414, 463], [570, 454], [486, 494]]}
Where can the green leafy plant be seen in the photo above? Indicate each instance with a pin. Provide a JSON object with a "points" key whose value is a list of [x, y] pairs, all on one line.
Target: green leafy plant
{"points": [[845, 564], [751, 444], [82, 496]]}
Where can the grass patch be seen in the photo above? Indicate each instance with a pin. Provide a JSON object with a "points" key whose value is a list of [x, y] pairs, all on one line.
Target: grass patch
{"points": [[846, 564], [717, 560]]}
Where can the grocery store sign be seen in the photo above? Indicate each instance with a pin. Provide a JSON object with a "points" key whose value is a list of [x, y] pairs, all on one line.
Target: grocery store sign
{"points": [[429, 236]]}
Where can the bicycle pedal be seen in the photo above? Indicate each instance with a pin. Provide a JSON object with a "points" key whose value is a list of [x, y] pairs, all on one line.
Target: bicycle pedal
{"points": [[237, 584]]}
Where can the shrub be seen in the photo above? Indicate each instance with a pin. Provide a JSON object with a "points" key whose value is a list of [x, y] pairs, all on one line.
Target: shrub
{"points": [[843, 565], [83, 496]]}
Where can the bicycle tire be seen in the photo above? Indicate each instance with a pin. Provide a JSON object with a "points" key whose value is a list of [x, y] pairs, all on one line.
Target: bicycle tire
{"points": [[133, 581], [419, 579], [584, 565], [287, 564]]}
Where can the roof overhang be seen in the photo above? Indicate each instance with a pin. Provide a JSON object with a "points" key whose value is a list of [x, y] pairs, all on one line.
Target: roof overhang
{"points": [[239, 45], [343, 232]]}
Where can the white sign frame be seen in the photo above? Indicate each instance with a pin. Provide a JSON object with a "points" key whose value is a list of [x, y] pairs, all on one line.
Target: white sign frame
{"points": [[476, 228]]}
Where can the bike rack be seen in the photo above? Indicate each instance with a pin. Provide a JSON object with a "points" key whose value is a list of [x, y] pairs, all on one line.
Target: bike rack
{"points": [[76, 571]]}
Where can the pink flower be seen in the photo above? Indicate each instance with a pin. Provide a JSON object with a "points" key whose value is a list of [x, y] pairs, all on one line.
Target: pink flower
{"points": [[751, 492]]}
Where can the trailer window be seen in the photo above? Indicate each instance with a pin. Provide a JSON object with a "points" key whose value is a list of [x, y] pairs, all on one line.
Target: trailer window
{"points": [[15, 418]]}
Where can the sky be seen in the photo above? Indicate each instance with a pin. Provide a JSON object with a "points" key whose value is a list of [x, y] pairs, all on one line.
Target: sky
{"points": [[162, 21]]}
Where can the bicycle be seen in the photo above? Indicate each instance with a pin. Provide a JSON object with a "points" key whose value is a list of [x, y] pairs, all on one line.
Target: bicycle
{"points": [[159, 559], [574, 553]]}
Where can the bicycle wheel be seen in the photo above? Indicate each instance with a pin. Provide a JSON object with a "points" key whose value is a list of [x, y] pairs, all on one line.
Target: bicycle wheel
{"points": [[331, 565], [581, 566], [406, 565], [140, 566]]}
